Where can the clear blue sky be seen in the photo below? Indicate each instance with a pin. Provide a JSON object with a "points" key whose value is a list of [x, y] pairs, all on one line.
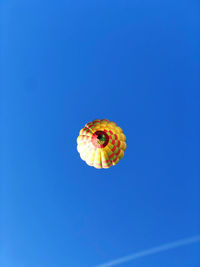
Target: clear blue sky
{"points": [[64, 63]]}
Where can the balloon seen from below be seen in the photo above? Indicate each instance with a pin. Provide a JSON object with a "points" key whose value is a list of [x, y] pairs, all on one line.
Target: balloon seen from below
{"points": [[101, 143]]}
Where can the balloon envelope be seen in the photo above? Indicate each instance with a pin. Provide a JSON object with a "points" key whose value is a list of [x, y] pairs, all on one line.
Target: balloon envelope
{"points": [[101, 143]]}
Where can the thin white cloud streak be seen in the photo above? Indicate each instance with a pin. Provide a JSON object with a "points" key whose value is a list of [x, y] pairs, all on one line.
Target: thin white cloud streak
{"points": [[144, 253]]}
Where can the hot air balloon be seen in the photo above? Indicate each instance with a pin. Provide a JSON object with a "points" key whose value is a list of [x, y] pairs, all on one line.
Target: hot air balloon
{"points": [[101, 143]]}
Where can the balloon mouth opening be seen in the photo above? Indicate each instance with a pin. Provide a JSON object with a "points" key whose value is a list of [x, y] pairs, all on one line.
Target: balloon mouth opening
{"points": [[100, 139]]}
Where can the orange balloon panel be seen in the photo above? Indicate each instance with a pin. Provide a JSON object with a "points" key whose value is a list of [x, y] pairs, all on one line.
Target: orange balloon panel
{"points": [[101, 143]]}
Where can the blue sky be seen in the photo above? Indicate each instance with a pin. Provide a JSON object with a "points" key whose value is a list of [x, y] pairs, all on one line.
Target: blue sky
{"points": [[64, 63]]}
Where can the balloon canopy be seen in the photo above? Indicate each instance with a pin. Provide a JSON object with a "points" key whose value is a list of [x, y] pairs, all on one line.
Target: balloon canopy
{"points": [[101, 143]]}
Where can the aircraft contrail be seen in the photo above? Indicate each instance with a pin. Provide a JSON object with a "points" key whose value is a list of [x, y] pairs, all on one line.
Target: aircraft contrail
{"points": [[176, 244]]}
